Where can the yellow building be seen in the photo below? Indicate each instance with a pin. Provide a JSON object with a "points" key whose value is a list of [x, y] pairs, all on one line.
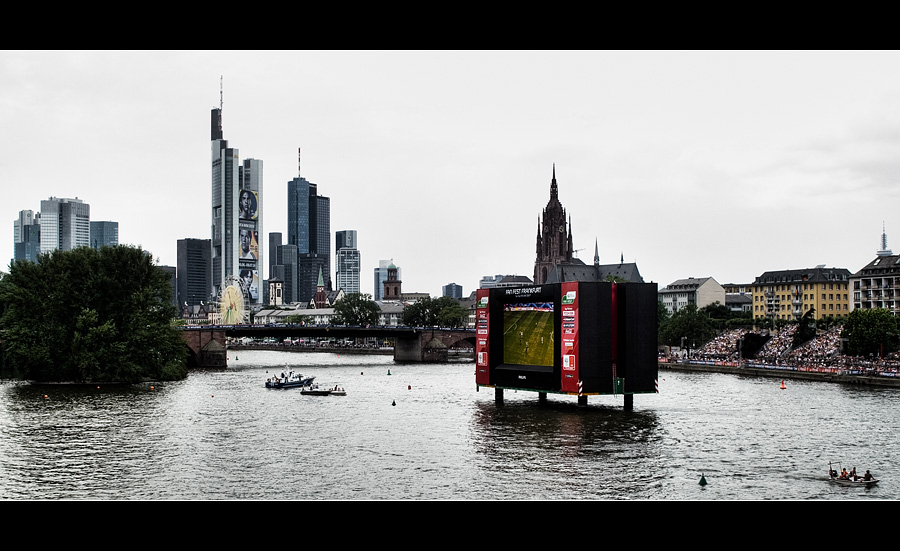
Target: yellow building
{"points": [[789, 294]]}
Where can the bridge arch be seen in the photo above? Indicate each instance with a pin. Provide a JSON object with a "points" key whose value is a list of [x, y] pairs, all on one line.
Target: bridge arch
{"points": [[411, 344]]}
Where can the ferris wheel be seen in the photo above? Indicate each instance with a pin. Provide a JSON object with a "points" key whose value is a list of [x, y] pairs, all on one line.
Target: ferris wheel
{"points": [[233, 302]]}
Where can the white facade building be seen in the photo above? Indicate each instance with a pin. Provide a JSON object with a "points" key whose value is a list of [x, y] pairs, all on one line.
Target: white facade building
{"points": [[697, 291]]}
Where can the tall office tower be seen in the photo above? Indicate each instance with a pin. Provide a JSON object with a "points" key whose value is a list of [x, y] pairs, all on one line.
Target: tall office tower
{"points": [[236, 213], [251, 218], [27, 236], [309, 267], [26, 218], [274, 241], [452, 290], [194, 272], [104, 234], [309, 228], [347, 261], [285, 267], [65, 224]]}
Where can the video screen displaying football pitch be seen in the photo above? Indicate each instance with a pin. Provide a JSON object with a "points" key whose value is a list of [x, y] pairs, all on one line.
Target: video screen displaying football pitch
{"points": [[528, 334]]}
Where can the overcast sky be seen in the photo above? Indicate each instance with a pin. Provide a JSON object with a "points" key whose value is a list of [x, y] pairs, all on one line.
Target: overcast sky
{"points": [[722, 164]]}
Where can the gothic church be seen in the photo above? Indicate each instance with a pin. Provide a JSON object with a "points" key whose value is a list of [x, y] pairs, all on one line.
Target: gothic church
{"points": [[554, 262], [554, 245]]}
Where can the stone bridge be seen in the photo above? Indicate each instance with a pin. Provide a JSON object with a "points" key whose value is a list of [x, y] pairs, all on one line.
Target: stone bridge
{"points": [[411, 344], [206, 345]]}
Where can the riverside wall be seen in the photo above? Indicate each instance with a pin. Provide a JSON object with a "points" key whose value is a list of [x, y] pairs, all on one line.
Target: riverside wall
{"points": [[787, 372]]}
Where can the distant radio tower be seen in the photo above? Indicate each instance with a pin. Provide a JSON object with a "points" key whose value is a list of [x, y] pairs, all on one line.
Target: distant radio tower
{"points": [[884, 251]]}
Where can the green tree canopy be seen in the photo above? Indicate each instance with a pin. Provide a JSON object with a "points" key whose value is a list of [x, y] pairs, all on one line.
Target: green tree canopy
{"points": [[662, 314], [356, 309], [431, 312], [90, 315], [689, 324], [873, 331]]}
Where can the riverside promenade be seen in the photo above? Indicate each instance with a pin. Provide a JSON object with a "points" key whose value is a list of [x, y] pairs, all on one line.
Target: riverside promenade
{"points": [[869, 377]]}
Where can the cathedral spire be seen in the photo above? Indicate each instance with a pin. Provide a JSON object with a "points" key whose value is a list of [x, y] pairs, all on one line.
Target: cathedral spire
{"points": [[596, 253], [553, 190]]}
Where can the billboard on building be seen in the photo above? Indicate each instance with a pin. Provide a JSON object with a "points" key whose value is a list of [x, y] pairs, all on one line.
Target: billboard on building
{"points": [[248, 243], [248, 205]]}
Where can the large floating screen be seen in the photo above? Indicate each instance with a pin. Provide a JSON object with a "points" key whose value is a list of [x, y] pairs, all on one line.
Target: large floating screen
{"points": [[528, 333]]}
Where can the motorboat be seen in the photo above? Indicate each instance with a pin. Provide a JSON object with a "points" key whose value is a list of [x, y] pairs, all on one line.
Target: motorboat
{"points": [[316, 390], [291, 380]]}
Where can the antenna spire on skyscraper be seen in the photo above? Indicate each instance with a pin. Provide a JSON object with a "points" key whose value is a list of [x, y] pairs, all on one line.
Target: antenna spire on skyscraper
{"points": [[221, 101]]}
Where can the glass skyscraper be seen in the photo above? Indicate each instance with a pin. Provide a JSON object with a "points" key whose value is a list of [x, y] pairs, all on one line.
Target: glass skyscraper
{"points": [[347, 261], [27, 236], [104, 234], [309, 229], [194, 272], [236, 213], [65, 224]]}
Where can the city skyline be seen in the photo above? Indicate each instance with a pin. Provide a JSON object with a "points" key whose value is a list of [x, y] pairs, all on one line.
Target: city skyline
{"points": [[721, 164]]}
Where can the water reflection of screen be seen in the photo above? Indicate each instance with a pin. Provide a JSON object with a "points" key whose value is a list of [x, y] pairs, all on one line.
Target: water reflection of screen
{"points": [[528, 333]]}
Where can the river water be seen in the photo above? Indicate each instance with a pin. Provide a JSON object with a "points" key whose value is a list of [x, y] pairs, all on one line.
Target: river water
{"points": [[423, 432]]}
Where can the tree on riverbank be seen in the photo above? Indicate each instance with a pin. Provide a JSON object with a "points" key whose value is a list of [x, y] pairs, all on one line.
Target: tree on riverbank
{"points": [[90, 315], [435, 312], [688, 327], [875, 331], [356, 309]]}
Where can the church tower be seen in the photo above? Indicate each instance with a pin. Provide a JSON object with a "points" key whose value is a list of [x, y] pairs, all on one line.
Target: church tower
{"points": [[321, 298], [554, 236], [391, 284]]}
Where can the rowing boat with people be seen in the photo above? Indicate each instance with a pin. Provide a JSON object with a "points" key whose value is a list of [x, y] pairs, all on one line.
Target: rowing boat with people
{"points": [[845, 478]]}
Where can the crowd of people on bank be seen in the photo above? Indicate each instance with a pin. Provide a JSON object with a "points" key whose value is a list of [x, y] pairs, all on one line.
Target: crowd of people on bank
{"points": [[821, 352], [778, 345], [725, 346]]}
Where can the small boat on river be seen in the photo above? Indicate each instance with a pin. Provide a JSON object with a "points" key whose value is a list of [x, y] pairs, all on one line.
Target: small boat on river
{"points": [[315, 390], [844, 478], [291, 380]]}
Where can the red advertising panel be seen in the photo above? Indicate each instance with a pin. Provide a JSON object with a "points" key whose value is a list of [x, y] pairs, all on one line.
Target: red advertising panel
{"points": [[482, 367], [569, 338]]}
